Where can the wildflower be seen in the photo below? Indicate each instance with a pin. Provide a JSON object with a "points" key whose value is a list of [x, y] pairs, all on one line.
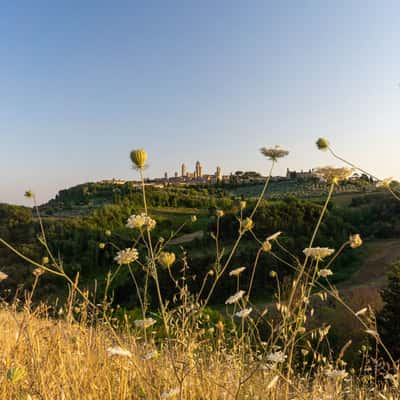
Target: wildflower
{"points": [[237, 271], [242, 205], [244, 313], [193, 218], [171, 393], [38, 271], [325, 273], [151, 354], [139, 158], [247, 225], [102, 245], [304, 352], [144, 323], [118, 351], [150, 223], [336, 373], [277, 357], [274, 153], [136, 221], [332, 174], [127, 256], [318, 253], [107, 232], [220, 213], [235, 297], [220, 325], [210, 272], [166, 259], [361, 312], [272, 274], [322, 144], [45, 260], [3, 276], [29, 194], [355, 241], [274, 236], [266, 246], [15, 374], [385, 183]]}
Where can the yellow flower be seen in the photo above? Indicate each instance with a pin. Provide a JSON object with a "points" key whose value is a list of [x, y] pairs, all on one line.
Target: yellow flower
{"points": [[272, 274], [322, 144], [139, 158], [247, 224], [166, 259], [29, 194], [102, 246], [355, 241]]}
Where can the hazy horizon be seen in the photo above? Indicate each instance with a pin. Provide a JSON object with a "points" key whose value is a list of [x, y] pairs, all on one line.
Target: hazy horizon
{"points": [[83, 84]]}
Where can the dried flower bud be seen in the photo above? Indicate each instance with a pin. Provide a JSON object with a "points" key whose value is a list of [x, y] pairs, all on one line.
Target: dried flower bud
{"points": [[322, 144], [166, 259], [139, 158]]}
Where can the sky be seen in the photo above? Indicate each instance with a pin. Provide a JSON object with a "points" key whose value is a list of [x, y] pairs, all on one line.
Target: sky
{"points": [[84, 82]]}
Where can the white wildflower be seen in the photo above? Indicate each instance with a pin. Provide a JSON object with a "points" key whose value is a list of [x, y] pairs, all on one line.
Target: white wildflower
{"points": [[274, 153], [274, 236], [244, 313], [336, 373], [144, 323], [170, 393], [325, 272], [318, 253], [235, 297], [277, 357], [118, 351], [3, 276], [127, 256], [332, 174], [237, 271]]}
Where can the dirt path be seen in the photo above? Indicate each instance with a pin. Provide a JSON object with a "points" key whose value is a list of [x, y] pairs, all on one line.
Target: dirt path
{"points": [[187, 238]]}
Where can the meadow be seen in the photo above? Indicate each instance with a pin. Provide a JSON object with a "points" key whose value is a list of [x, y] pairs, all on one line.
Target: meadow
{"points": [[245, 312]]}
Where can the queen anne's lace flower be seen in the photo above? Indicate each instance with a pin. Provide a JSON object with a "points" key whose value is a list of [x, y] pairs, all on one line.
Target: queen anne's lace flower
{"points": [[244, 313], [235, 297], [237, 271], [277, 357], [3, 276], [127, 256], [325, 272], [274, 153], [145, 323], [118, 351], [318, 253], [332, 174]]}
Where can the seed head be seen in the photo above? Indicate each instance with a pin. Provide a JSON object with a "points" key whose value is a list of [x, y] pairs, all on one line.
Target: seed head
{"points": [[355, 241], [322, 144], [266, 246], [127, 256], [38, 272], [247, 224], [237, 271], [166, 259], [139, 158], [332, 174]]}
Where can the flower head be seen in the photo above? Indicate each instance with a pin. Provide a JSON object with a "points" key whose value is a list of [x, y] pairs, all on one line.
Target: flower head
{"points": [[355, 241], [272, 274], [247, 224], [277, 357], [107, 232], [235, 297], [140, 221], [242, 205], [118, 351], [29, 194], [139, 158], [237, 271], [325, 272], [220, 213], [332, 174], [385, 183], [38, 272], [166, 259], [274, 153], [3, 276], [127, 256], [102, 246], [266, 246], [193, 218], [244, 313], [145, 323], [45, 260], [322, 144], [318, 253], [274, 236]]}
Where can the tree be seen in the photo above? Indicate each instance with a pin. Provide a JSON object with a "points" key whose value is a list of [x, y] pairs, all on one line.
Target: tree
{"points": [[388, 318]]}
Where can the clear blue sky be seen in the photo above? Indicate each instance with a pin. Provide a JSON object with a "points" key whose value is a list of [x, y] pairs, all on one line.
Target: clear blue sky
{"points": [[84, 82]]}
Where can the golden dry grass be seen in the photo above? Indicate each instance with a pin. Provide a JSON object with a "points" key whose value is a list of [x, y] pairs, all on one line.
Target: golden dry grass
{"points": [[62, 359]]}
